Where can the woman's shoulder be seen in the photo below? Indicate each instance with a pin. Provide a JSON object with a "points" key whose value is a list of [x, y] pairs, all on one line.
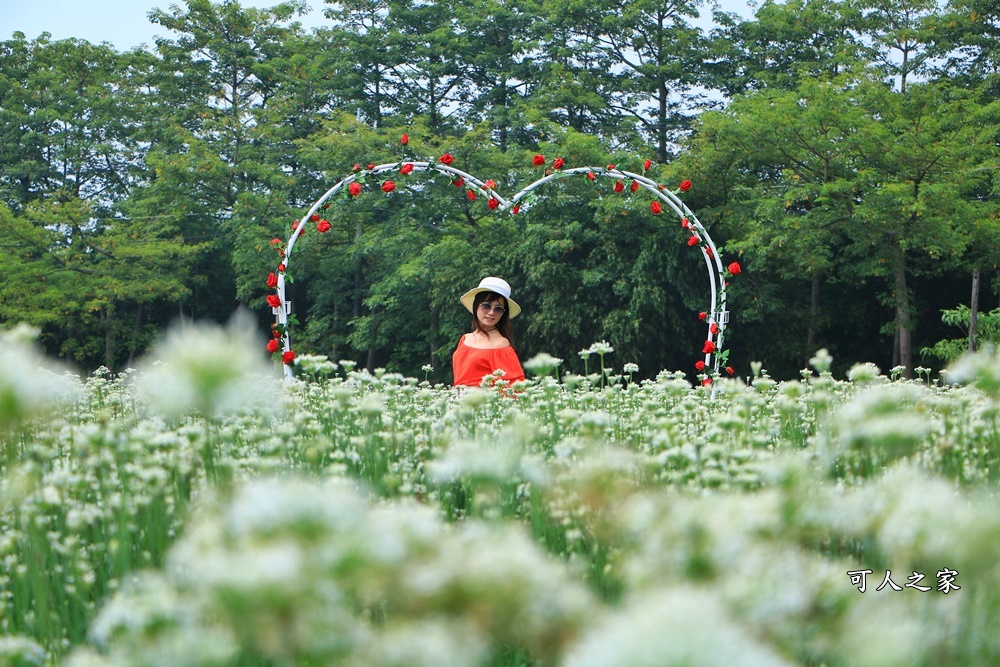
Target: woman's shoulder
{"points": [[470, 340]]}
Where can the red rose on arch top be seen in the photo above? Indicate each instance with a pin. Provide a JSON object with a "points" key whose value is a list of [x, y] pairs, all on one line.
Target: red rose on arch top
{"points": [[685, 185], [447, 158]]}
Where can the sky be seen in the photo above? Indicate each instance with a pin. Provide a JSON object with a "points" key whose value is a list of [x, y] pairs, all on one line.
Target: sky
{"points": [[124, 23]]}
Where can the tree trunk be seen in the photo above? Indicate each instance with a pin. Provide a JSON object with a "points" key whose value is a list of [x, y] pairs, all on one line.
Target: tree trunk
{"points": [[432, 338], [357, 270], [903, 323], [370, 361], [813, 316], [973, 310], [140, 316], [109, 337]]}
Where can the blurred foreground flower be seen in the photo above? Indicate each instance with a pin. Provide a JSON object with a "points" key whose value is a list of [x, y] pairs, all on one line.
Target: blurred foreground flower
{"points": [[210, 370], [28, 381], [981, 369], [293, 572]]}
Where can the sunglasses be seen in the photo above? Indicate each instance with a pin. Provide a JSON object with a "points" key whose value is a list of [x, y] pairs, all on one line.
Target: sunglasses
{"points": [[497, 310]]}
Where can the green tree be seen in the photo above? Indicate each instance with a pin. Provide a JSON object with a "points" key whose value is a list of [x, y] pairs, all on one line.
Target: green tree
{"points": [[851, 181], [654, 59], [364, 78], [65, 121], [85, 281], [229, 97], [785, 42]]}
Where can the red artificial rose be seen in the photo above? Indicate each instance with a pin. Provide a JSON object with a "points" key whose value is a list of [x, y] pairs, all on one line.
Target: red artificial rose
{"points": [[326, 205], [490, 183], [281, 268], [559, 163], [734, 269], [611, 166], [388, 186], [371, 165], [274, 332], [516, 209], [693, 241], [538, 160], [356, 167], [714, 329], [471, 195], [447, 158], [492, 203], [708, 251], [406, 168], [685, 185], [709, 347], [591, 175], [619, 186], [314, 217], [656, 207], [706, 382], [646, 165], [272, 280], [354, 189], [730, 370], [405, 139], [702, 315], [276, 242], [685, 223], [274, 300], [634, 186], [323, 226], [288, 357], [272, 345], [458, 182], [699, 365]]}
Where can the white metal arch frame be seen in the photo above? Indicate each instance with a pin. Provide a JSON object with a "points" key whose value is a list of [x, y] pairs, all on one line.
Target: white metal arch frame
{"points": [[716, 314]]}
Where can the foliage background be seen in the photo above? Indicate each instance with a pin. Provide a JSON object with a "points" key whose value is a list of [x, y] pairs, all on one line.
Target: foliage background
{"points": [[843, 152]]}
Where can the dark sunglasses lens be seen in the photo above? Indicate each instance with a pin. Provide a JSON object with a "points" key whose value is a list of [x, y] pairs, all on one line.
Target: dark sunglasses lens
{"points": [[499, 310]]}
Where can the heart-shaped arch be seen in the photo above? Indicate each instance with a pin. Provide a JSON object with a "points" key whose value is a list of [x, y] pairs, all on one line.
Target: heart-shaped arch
{"points": [[716, 316]]}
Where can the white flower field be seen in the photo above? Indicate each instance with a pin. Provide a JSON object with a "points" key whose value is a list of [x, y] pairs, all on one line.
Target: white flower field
{"points": [[200, 511]]}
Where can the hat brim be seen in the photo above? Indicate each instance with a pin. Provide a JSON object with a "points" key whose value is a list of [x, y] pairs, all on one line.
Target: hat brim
{"points": [[469, 298]]}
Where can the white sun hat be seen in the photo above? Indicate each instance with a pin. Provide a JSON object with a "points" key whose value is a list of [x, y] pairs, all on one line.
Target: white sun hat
{"points": [[491, 284]]}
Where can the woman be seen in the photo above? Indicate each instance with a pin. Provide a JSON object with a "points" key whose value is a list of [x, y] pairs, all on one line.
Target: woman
{"points": [[489, 346]]}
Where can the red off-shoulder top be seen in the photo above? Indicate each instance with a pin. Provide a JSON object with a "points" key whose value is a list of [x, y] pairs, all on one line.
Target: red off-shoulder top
{"points": [[470, 364]]}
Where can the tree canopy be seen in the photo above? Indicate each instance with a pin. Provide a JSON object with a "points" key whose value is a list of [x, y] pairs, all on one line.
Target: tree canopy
{"points": [[843, 152]]}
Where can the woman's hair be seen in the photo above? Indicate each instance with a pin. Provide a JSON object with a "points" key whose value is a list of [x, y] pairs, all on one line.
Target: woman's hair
{"points": [[503, 326]]}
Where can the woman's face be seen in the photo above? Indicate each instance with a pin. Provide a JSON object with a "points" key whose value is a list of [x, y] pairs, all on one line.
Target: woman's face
{"points": [[489, 312]]}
